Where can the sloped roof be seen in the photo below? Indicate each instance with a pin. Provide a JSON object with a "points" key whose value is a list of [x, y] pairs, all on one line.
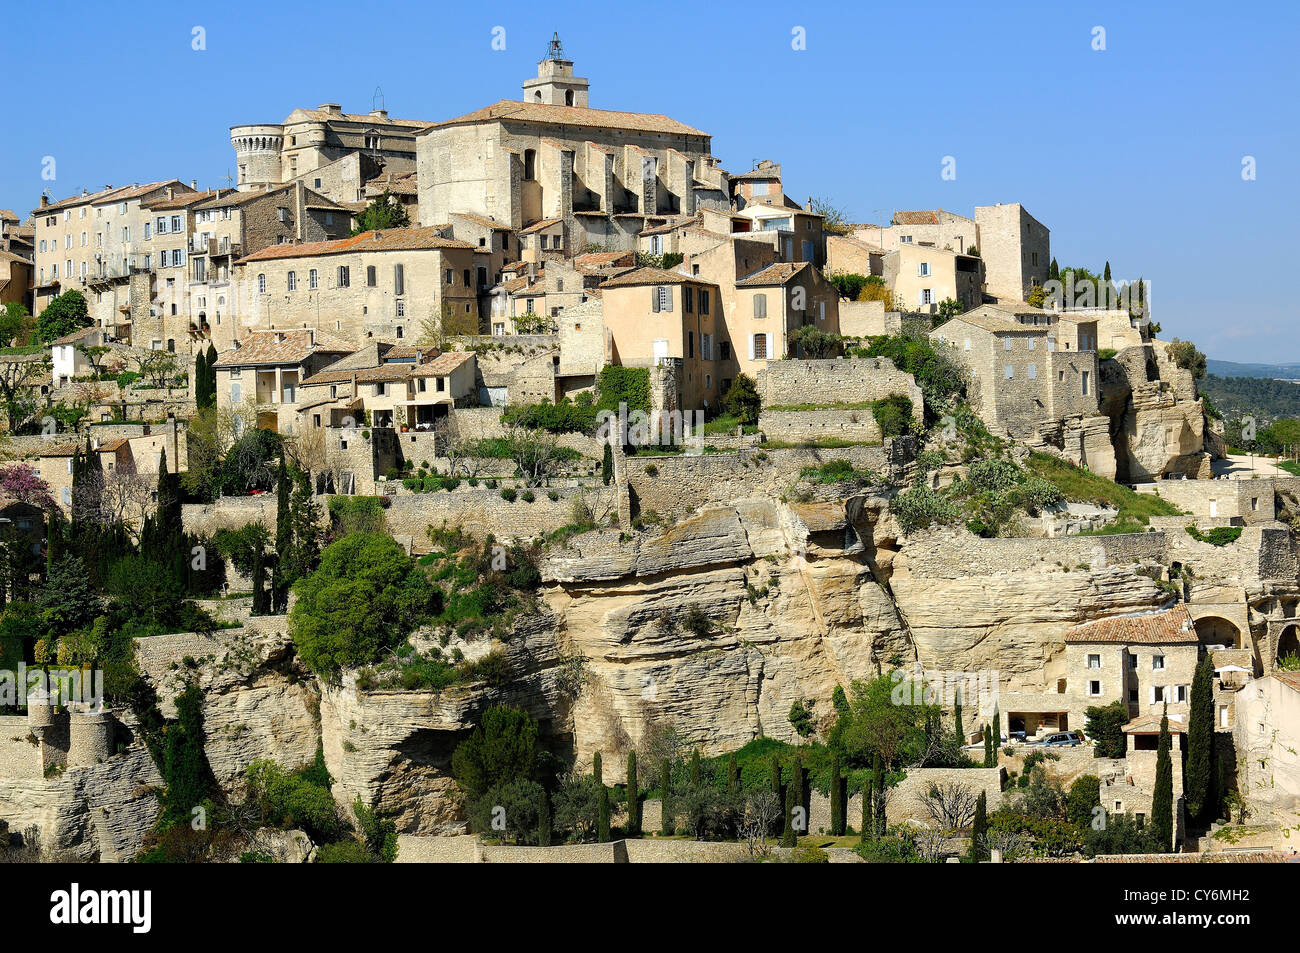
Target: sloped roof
{"points": [[651, 276], [922, 217], [996, 320], [287, 346], [324, 115], [777, 273], [388, 239], [539, 225], [519, 111], [187, 199], [481, 220], [119, 193], [1170, 627]]}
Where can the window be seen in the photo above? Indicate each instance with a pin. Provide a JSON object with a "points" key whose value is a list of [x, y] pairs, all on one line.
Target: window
{"points": [[1133, 663], [446, 276], [1085, 383], [760, 306], [345, 277], [399, 280], [261, 284], [1006, 344], [1033, 372], [234, 392], [465, 277], [706, 346], [293, 281], [1030, 343], [923, 269], [688, 299], [661, 298], [442, 384], [704, 301], [760, 346], [530, 164], [312, 280], [1157, 662], [370, 276], [690, 343], [401, 309], [1180, 693], [1094, 661], [1009, 371], [724, 350], [1094, 688]]}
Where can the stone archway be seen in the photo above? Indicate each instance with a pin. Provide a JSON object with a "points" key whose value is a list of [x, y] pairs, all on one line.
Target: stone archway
{"points": [[1215, 630], [1288, 642]]}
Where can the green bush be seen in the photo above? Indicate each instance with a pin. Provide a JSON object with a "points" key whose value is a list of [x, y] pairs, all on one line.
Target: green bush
{"points": [[742, 401], [919, 507], [508, 494], [893, 415], [1219, 536]]}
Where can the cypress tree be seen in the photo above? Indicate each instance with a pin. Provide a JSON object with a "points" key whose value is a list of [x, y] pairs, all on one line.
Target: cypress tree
{"points": [[1199, 782], [878, 795], [979, 830], [1106, 272], [1054, 271], [788, 836], [956, 723], [776, 786], [695, 768], [988, 746], [667, 822], [1162, 795], [733, 778], [544, 819], [201, 381], [607, 465], [283, 539], [602, 820], [261, 599], [596, 768], [797, 781], [633, 798], [837, 798], [866, 831]]}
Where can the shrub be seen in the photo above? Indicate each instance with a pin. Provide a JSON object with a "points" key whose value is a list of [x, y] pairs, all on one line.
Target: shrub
{"points": [[893, 415], [742, 401], [508, 494], [919, 507]]}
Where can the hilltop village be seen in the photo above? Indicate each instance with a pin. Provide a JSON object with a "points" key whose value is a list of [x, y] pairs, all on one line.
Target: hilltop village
{"points": [[528, 485]]}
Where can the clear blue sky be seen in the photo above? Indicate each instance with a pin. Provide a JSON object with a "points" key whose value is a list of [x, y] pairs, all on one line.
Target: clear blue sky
{"points": [[1133, 154]]}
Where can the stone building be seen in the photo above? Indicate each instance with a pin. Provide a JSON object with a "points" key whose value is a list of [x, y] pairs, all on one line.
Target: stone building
{"points": [[1146, 661], [1024, 374], [94, 242], [603, 174], [760, 185], [933, 228], [653, 316], [1016, 249], [265, 368], [381, 285], [922, 277], [272, 154], [1267, 738], [16, 274]]}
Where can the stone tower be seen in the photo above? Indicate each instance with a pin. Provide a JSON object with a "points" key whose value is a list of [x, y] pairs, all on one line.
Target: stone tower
{"points": [[257, 151], [555, 84]]}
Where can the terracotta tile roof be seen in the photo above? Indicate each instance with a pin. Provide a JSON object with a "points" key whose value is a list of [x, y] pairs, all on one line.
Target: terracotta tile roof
{"points": [[1290, 679], [287, 346], [996, 320], [388, 239], [1170, 627], [603, 259], [775, 274], [1146, 724], [236, 199], [666, 227], [443, 364], [113, 193], [410, 351], [926, 217], [186, 200], [514, 111], [399, 184], [385, 372], [332, 377], [7, 214], [651, 276], [325, 115], [538, 226], [60, 450], [481, 220], [75, 336], [113, 446]]}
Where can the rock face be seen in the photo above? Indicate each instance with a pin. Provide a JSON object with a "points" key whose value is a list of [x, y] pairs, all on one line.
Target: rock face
{"points": [[1157, 420], [100, 812]]}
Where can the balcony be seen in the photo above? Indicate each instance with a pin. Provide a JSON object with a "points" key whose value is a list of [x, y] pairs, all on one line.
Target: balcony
{"points": [[213, 247]]}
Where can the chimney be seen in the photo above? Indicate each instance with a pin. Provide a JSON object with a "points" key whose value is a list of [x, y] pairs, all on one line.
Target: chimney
{"points": [[45, 200], [171, 192], [194, 184], [379, 113], [332, 109]]}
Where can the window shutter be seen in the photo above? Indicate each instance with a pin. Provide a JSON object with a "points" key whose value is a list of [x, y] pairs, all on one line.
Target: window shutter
{"points": [[769, 347], [668, 298], [751, 346], [1152, 690], [654, 300]]}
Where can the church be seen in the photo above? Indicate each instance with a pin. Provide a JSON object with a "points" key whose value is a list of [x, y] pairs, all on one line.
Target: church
{"points": [[550, 161]]}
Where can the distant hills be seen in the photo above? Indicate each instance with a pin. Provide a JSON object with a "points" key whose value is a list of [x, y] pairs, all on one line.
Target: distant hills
{"points": [[1233, 369]]}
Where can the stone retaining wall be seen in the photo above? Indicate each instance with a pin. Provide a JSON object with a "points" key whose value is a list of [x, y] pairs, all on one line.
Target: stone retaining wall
{"points": [[952, 554]]}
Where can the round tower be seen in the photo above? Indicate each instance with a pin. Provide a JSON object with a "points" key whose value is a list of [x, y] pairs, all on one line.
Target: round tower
{"points": [[40, 713], [257, 152], [90, 737]]}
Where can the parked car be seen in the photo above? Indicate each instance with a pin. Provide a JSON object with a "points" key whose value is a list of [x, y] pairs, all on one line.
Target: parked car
{"points": [[1060, 740], [1018, 736]]}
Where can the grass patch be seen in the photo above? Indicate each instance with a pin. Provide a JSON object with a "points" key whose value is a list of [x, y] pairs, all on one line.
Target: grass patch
{"points": [[824, 443], [860, 405], [1290, 466], [1080, 486], [1219, 536]]}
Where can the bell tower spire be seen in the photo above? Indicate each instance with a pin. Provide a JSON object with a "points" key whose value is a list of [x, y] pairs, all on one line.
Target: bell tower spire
{"points": [[555, 84]]}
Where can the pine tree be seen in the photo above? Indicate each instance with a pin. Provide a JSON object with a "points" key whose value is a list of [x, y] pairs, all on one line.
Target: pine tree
{"points": [[1199, 781], [733, 778], [602, 820], [1162, 794], [596, 768], [837, 798], [544, 819], [607, 465], [633, 798], [979, 830]]}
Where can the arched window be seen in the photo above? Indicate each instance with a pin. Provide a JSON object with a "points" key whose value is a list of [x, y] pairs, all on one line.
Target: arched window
{"points": [[568, 97], [538, 96], [293, 281], [261, 284]]}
